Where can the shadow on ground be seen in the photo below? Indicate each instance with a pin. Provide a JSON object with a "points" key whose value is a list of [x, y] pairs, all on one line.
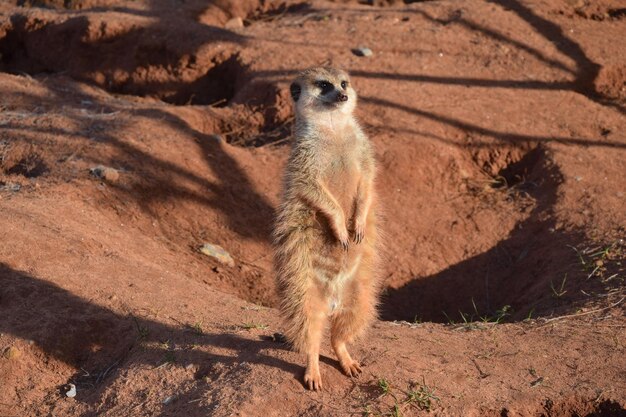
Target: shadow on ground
{"points": [[97, 341]]}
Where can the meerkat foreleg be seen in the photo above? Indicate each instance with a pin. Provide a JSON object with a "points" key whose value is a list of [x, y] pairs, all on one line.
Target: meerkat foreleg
{"points": [[363, 204], [320, 198]]}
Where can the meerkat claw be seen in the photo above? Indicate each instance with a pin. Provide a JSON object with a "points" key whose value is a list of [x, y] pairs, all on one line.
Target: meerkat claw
{"points": [[313, 382], [359, 234], [353, 369]]}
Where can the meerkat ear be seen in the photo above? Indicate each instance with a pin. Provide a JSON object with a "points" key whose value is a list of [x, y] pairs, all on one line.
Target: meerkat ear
{"points": [[295, 90]]}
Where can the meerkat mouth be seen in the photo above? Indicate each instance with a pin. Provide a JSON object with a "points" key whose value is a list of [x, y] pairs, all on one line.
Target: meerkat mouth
{"points": [[334, 104]]}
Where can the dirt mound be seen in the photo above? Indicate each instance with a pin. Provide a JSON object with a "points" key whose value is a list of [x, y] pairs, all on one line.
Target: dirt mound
{"points": [[96, 51], [598, 10], [144, 59], [611, 82]]}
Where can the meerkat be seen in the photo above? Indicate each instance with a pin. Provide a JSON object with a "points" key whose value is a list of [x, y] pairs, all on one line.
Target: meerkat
{"points": [[325, 233]]}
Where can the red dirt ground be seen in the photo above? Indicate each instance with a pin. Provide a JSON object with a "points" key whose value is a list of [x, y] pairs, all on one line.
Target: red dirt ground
{"points": [[499, 130]]}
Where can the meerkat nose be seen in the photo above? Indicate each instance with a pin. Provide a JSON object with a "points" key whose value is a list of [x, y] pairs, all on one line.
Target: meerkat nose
{"points": [[342, 97]]}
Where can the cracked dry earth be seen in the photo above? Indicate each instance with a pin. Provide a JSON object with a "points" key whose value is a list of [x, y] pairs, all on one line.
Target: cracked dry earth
{"points": [[499, 134]]}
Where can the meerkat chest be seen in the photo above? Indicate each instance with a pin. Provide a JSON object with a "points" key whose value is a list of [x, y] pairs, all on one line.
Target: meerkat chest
{"points": [[342, 174], [343, 162], [342, 156]]}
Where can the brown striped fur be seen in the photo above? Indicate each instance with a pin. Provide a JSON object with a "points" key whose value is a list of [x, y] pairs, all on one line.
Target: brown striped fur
{"points": [[326, 233]]}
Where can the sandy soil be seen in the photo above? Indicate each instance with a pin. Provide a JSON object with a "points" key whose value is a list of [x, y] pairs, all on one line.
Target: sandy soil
{"points": [[499, 132]]}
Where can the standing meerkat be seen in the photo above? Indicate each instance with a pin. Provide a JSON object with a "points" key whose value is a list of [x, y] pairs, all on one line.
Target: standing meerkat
{"points": [[325, 233]]}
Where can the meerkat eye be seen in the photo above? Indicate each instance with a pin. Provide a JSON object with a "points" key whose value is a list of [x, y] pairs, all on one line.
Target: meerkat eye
{"points": [[325, 86], [344, 84]]}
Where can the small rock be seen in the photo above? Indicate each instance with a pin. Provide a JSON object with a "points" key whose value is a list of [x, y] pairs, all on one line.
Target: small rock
{"points": [[169, 399], [234, 23], [9, 186], [12, 353], [217, 252], [216, 138], [71, 390], [362, 51], [279, 338], [105, 173]]}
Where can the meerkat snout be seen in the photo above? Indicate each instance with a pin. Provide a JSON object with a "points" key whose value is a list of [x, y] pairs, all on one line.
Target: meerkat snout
{"points": [[331, 93]]}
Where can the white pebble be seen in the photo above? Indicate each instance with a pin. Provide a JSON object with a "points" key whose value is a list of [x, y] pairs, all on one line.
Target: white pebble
{"points": [[71, 392]]}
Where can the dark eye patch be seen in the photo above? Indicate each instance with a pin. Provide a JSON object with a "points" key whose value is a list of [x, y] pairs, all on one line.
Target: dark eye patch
{"points": [[344, 84], [325, 86]]}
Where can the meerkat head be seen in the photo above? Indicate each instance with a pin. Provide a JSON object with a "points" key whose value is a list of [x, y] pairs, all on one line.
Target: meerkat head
{"points": [[323, 90]]}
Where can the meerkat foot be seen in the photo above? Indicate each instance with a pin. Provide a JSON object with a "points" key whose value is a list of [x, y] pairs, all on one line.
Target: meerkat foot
{"points": [[349, 365], [352, 368], [313, 379]]}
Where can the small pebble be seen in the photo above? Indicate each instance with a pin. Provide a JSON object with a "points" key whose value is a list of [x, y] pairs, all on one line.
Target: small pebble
{"points": [[279, 338], [216, 138], [12, 353], [169, 399], [234, 23], [105, 173], [10, 186], [217, 252], [71, 391], [362, 51]]}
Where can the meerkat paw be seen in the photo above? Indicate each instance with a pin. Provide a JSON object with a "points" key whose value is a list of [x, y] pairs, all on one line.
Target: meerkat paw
{"points": [[313, 380], [351, 368], [359, 232], [344, 238]]}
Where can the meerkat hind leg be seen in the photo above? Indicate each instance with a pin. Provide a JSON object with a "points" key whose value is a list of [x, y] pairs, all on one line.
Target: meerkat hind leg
{"points": [[350, 321], [314, 331]]}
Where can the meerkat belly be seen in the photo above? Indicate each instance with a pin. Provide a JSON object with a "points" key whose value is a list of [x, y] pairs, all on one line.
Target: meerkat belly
{"points": [[333, 267], [332, 275]]}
